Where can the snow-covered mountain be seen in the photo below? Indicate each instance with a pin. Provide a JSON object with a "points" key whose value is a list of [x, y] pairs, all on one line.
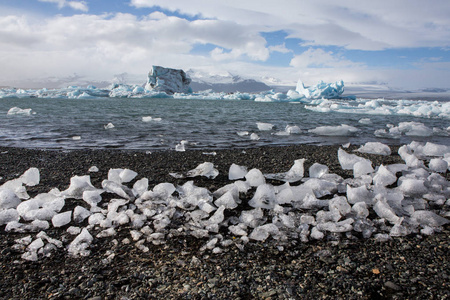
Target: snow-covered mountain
{"points": [[224, 82]]}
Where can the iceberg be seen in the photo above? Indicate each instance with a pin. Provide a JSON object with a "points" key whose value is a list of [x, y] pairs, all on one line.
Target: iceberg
{"points": [[321, 90], [168, 80]]}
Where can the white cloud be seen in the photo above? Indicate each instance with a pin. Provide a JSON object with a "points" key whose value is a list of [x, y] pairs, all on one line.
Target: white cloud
{"points": [[280, 48], [351, 24], [318, 58], [77, 5]]}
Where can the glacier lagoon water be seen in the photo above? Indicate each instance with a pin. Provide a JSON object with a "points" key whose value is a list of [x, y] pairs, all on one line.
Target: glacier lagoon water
{"points": [[204, 124]]}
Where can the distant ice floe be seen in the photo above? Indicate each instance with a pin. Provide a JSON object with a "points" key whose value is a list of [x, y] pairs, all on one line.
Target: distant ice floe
{"points": [[380, 202], [20, 111]]}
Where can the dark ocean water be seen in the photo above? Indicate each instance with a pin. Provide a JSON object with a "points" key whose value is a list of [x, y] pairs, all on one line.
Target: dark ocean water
{"points": [[204, 124]]}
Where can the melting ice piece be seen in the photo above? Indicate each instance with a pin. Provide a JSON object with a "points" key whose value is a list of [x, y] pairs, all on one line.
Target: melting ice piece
{"points": [[109, 126], [412, 187], [93, 169], [8, 215], [362, 167], [375, 148], [264, 197], [92, 197], [118, 189], [296, 172], [317, 170], [205, 169], [78, 184], [237, 172], [254, 137], [347, 161], [365, 121], [255, 177], [384, 177], [121, 175], [438, 165], [360, 208], [358, 194], [62, 219], [428, 218], [293, 129], [80, 245], [342, 130], [383, 210], [30, 177], [80, 213], [264, 126], [8, 199], [150, 119], [261, 233]]}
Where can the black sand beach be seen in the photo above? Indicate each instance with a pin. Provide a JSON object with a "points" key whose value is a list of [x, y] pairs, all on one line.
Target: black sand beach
{"points": [[411, 267]]}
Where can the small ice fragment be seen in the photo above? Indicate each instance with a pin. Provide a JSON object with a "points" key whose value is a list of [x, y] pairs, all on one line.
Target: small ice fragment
{"points": [[340, 204], [118, 189], [80, 245], [8, 215], [412, 187], [383, 210], [181, 146], [78, 184], [316, 234], [384, 177], [93, 169], [264, 126], [255, 177], [92, 197], [140, 186], [127, 175], [292, 129], [76, 138], [62, 219], [375, 148], [261, 233], [242, 133], [237, 172], [360, 208], [228, 200], [35, 245], [346, 145], [342, 130], [109, 126], [80, 213]]}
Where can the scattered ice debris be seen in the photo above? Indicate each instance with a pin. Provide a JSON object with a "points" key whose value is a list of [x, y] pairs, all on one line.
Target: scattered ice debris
{"points": [[342, 130], [109, 126], [381, 202], [375, 148], [19, 111]]}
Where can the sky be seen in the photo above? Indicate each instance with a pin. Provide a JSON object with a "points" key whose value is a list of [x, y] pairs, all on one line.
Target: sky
{"points": [[398, 43]]}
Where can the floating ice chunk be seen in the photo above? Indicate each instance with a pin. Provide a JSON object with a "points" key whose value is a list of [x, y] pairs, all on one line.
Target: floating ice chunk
{"points": [[320, 90], [293, 129], [30, 177], [264, 126], [8, 199], [19, 111], [78, 184], [375, 148], [362, 167], [384, 177], [438, 165], [415, 129], [150, 119], [181, 146], [254, 137], [237, 172], [365, 121], [62, 219], [8, 215], [342, 130], [347, 160], [80, 245], [428, 218], [255, 177], [264, 197], [243, 133], [261, 233], [109, 126], [76, 138], [383, 210], [205, 169], [359, 194], [412, 187], [317, 170], [80, 213]]}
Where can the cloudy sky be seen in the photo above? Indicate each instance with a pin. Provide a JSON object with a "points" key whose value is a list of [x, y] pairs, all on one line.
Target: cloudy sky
{"points": [[402, 43]]}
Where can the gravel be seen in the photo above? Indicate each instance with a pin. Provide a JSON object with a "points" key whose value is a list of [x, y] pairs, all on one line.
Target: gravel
{"points": [[404, 267]]}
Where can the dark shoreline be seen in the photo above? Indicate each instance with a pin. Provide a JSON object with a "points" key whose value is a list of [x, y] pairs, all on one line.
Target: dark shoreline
{"points": [[404, 267]]}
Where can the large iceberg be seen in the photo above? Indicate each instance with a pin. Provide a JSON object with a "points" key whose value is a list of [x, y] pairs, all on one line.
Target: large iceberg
{"points": [[320, 90], [168, 80]]}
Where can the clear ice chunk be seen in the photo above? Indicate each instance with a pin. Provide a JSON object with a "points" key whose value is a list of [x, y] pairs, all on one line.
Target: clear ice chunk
{"points": [[255, 177], [237, 172], [205, 169], [62, 219], [264, 197], [8, 199], [317, 170]]}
